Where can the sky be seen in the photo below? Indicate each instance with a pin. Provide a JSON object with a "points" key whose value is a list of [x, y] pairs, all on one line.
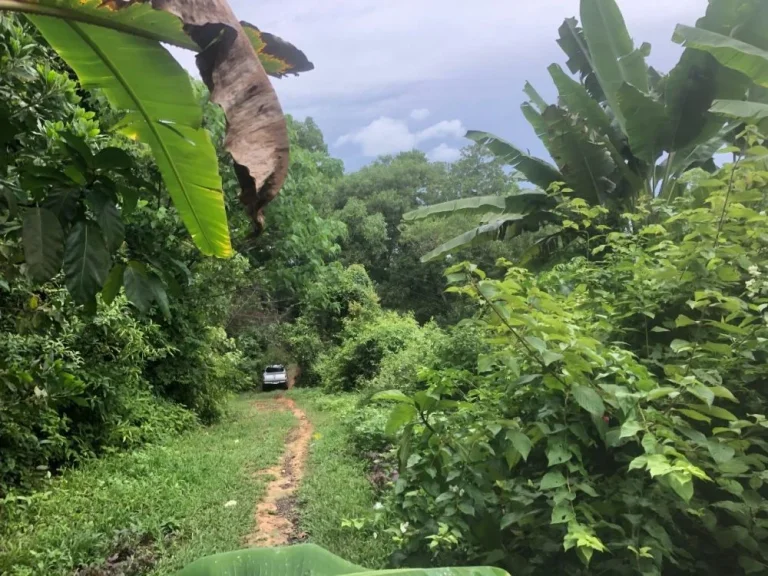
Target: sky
{"points": [[393, 75]]}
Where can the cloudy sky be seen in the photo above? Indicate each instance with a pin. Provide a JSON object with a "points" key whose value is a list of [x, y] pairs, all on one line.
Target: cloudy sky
{"points": [[392, 75]]}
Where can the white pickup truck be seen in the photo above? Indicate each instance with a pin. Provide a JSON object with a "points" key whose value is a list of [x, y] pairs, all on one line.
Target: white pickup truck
{"points": [[275, 376]]}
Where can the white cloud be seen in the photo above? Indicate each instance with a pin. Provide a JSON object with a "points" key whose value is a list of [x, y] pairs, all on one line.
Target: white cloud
{"points": [[389, 136], [420, 114], [444, 153]]}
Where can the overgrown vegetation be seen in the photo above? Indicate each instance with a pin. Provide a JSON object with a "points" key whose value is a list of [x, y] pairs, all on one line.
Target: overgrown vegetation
{"points": [[587, 396]]}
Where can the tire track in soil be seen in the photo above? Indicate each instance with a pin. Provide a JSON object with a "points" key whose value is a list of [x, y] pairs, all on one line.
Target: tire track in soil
{"points": [[276, 516]]}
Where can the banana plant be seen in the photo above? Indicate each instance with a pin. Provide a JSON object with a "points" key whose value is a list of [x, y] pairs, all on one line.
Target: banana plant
{"points": [[304, 559], [749, 59], [620, 129], [115, 46]]}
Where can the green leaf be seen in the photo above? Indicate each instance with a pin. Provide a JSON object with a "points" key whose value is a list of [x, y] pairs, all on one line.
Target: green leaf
{"points": [[467, 206], [735, 54], [723, 392], [137, 286], [521, 442], [303, 559], [401, 415], [750, 112], [159, 295], [557, 454], [679, 346], [702, 393], [715, 412], [576, 99], [630, 428], [113, 284], [109, 219], [552, 480], [549, 357], [112, 159], [43, 241], [721, 453], [646, 123], [585, 166], [535, 97], [538, 172], [683, 320], [614, 57], [682, 484], [143, 79], [589, 400], [86, 262], [574, 45]]}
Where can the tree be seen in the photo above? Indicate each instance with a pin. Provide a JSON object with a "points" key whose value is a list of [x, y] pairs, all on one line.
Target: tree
{"points": [[115, 46], [621, 130]]}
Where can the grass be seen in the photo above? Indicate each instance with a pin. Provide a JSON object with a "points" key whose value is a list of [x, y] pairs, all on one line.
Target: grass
{"points": [[335, 485], [179, 488]]}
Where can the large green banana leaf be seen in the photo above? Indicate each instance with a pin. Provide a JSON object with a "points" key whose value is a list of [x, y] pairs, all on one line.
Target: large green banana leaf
{"points": [[307, 560], [735, 54], [648, 127], [522, 201], [747, 111], [586, 166], [139, 19], [141, 78], [537, 171], [574, 45], [613, 54]]}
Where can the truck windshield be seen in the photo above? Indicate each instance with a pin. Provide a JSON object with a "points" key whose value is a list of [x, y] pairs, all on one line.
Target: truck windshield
{"points": [[273, 369]]}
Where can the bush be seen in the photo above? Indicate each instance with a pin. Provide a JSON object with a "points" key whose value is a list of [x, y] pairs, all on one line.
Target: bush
{"points": [[616, 422], [365, 344]]}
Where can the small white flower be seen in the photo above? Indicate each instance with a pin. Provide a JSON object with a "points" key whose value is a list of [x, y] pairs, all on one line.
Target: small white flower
{"points": [[754, 270], [230, 504], [378, 506]]}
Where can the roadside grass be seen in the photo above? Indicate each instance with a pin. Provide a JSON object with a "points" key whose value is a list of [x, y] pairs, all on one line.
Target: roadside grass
{"points": [[335, 485], [169, 499]]}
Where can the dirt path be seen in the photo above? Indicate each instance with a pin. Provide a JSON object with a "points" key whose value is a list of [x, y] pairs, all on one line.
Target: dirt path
{"points": [[275, 516]]}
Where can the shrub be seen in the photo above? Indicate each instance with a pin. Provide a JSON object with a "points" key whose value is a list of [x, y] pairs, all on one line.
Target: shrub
{"points": [[365, 344], [617, 420]]}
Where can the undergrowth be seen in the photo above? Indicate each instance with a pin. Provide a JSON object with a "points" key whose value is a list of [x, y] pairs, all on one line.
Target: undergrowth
{"points": [[165, 504]]}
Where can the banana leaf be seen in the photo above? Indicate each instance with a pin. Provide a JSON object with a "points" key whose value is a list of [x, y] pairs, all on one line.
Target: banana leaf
{"points": [[614, 57], [535, 97], [573, 43], [475, 205], [523, 201], [647, 125], [537, 171], [585, 165], [141, 78], [745, 111], [278, 56], [305, 559], [730, 52]]}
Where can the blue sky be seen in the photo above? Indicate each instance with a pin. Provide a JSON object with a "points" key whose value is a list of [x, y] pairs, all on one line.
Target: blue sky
{"points": [[391, 75]]}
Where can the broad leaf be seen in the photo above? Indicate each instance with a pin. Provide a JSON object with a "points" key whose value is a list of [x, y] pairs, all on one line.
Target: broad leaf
{"points": [[735, 54], [86, 262], [585, 165], [646, 123], [751, 112], [113, 284], [304, 559], [159, 295], [257, 135], [588, 399], [401, 415], [144, 80], [535, 97], [575, 98], [574, 45], [138, 288], [613, 53], [43, 241], [473, 205], [109, 219], [537, 171], [491, 231]]}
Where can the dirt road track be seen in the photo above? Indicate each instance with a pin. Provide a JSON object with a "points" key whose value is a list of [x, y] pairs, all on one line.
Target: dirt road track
{"points": [[275, 516]]}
